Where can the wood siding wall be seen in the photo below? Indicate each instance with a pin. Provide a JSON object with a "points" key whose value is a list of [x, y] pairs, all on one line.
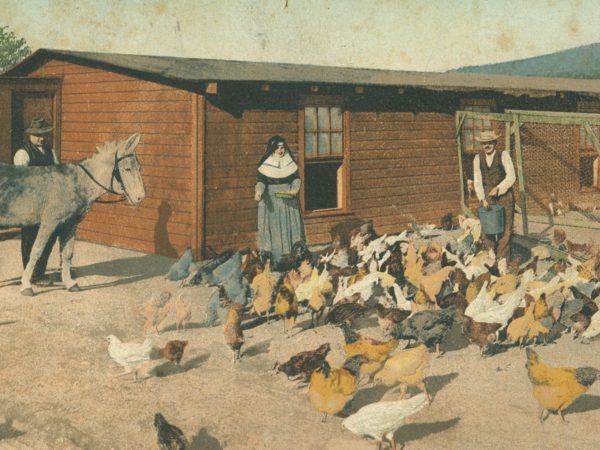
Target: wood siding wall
{"points": [[403, 169], [98, 106], [233, 149]]}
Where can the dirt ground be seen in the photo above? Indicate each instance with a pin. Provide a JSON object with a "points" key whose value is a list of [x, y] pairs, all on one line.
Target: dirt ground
{"points": [[57, 389]]}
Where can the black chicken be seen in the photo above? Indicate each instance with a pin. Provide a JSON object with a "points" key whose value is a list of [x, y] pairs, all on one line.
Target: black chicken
{"points": [[429, 327], [170, 437]]}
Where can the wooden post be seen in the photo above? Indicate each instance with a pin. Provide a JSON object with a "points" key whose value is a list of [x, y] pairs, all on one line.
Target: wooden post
{"points": [[592, 134], [519, 161], [198, 150], [459, 119]]}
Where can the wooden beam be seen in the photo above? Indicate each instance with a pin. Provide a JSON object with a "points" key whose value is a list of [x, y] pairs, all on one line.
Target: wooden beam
{"points": [[459, 119], [198, 151], [520, 177], [212, 88], [592, 134]]}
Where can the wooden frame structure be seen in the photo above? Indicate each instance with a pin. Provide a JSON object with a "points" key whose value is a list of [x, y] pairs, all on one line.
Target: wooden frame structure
{"points": [[514, 119]]}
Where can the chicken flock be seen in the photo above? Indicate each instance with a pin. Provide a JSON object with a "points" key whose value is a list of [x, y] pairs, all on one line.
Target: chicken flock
{"points": [[420, 285]]}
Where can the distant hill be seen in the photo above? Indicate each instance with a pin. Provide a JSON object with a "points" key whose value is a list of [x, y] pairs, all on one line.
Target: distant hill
{"points": [[578, 62]]}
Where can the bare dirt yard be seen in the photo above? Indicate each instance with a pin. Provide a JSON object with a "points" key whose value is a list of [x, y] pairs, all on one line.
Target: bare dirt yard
{"points": [[58, 390]]}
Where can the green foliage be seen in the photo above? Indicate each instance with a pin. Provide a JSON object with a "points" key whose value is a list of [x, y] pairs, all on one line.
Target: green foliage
{"points": [[12, 49]]}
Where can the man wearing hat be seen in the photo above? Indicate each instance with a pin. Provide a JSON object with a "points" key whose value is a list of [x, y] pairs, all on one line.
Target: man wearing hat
{"points": [[494, 176], [37, 151]]}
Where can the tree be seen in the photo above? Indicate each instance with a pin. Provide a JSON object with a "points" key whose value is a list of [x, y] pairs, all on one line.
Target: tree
{"points": [[12, 49]]}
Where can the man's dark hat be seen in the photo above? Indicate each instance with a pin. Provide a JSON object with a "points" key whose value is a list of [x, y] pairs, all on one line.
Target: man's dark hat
{"points": [[39, 125]]}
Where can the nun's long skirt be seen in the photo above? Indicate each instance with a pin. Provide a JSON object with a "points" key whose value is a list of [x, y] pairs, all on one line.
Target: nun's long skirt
{"points": [[280, 223]]}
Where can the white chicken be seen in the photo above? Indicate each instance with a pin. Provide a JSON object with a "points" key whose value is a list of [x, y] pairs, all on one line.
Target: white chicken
{"points": [[380, 420], [481, 303], [129, 355], [364, 287], [593, 329]]}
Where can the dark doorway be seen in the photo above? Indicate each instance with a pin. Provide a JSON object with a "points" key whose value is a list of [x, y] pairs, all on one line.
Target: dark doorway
{"points": [[26, 106]]}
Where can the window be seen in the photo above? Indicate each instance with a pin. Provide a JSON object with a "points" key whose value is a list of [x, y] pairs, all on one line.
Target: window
{"points": [[473, 127], [588, 159], [325, 161]]}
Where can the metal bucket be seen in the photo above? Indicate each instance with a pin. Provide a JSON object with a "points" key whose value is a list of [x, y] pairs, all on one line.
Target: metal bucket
{"points": [[492, 219]]}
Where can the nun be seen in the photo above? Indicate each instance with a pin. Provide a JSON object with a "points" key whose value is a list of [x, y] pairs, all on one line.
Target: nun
{"points": [[280, 225]]}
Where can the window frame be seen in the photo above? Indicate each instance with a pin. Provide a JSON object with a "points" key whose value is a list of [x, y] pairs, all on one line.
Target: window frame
{"points": [[329, 101], [584, 149], [470, 103]]}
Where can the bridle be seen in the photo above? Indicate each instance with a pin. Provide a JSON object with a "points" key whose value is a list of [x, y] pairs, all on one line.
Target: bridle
{"points": [[115, 175]]}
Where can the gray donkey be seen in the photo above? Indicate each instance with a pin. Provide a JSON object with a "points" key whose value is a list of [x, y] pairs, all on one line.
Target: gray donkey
{"points": [[58, 198]]}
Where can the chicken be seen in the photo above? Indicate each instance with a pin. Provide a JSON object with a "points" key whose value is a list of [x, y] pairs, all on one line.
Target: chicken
{"points": [[428, 327], [173, 351], [330, 389], [129, 355], [374, 352], [263, 286], [183, 313], [304, 363], [555, 388], [286, 304], [345, 313], [380, 420], [234, 336], [170, 437], [480, 333], [474, 287], [388, 317], [406, 368], [155, 311], [593, 329], [316, 305], [518, 329], [180, 269], [251, 265]]}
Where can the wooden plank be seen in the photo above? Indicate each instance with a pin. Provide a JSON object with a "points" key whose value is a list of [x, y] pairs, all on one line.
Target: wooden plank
{"points": [[268, 116], [79, 77], [169, 117], [93, 139], [132, 127], [130, 106], [406, 199], [408, 188], [381, 117], [149, 246], [165, 94], [110, 86], [520, 177], [141, 212], [401, 135], [422, 166], [416, 144], [269, 128]]}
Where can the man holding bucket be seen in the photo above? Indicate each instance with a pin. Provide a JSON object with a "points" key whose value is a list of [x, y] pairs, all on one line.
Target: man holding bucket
{"points": [[494, 176]]}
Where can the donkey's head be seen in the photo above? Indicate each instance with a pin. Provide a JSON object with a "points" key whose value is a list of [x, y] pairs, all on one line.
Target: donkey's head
{"points": [[127, 171]]}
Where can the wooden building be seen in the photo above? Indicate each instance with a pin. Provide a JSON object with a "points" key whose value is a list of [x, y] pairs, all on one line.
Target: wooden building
{"points": [[371, 144]]}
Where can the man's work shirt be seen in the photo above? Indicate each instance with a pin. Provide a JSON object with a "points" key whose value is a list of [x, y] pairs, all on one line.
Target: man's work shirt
{"points": [[504, 185]]}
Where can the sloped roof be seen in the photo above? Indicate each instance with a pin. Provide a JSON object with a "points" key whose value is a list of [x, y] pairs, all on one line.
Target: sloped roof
{"points": [[580, 62], [193, 70]]}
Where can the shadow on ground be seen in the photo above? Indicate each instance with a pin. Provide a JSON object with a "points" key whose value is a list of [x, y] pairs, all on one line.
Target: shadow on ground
{"points": [[168, 368], [129, 270], [584, 403], [417, 431], [436, 383], [204, 441]]}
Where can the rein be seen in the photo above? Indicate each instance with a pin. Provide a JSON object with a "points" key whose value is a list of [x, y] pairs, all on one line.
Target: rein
{"points": [[116, 175]]}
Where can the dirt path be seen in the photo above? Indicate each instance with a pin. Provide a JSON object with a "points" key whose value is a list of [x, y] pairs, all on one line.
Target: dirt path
{"points": [[57, 392]]}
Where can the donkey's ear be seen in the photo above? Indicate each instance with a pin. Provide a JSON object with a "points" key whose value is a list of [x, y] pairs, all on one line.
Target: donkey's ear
{"points": [[132, 142]]}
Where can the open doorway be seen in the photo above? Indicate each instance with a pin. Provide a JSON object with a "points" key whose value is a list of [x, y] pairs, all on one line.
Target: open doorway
{"points": [[25, 106]]}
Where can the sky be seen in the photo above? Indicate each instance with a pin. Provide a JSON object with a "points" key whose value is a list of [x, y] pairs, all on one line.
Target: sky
{"points": [[421, 35]]}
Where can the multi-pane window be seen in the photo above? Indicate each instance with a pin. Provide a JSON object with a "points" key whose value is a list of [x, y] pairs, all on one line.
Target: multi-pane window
{"points": [[323, 158], [472, 128], [588, 159]]}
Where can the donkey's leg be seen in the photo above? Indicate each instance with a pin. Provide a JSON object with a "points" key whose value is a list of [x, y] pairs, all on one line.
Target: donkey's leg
{"points": [[44, 233], [67, 242]]}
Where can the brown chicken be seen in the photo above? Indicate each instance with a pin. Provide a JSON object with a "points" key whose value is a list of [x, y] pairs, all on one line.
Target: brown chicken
{"points": [[388, 317], [263, 286], [518, 328], [173, 351], [183, 313], [234, 336], [330, 389], [345, 313], [304, 363], [476, 285], [555, 388], [286, 304], [251, 265], [373, 352], [479, 333]]}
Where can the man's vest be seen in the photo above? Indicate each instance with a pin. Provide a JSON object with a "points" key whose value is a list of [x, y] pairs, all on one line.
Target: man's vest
{"points": [[492, 176], [36, 157]]}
